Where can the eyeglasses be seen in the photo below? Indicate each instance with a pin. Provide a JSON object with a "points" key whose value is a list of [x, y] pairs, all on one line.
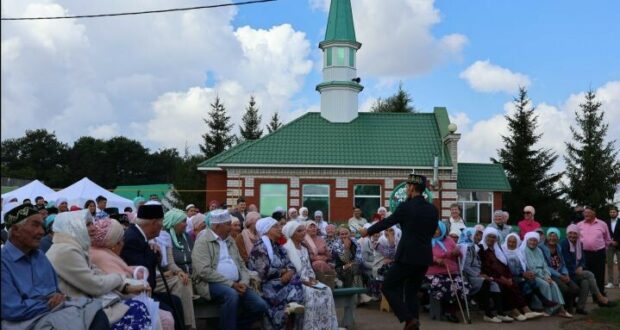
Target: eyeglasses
{"points": [[527, 212]]}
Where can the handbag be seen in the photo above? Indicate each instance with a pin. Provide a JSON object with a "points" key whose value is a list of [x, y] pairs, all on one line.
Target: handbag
{"points": [[151, 305]]}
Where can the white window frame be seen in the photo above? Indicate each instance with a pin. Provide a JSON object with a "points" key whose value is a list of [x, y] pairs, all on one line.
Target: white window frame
{"points": [[462, 203]]}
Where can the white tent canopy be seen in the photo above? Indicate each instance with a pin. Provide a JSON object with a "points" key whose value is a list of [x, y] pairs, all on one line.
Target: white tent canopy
{"points": [[31, 191], [83, 190]]}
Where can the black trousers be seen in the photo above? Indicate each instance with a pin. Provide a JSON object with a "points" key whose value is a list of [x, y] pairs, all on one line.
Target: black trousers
{"points": [[166, 302], [100, 322], [490, 302], [595, 262], [404, 279]]}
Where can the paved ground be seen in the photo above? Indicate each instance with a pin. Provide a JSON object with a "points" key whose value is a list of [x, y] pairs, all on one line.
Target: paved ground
{"points": [[370, 318]]}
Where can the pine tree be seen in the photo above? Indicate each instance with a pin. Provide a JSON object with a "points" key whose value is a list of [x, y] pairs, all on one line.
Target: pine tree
{"points": [[218, 138], [528, 168], [399, 102], [592, 166], [251, 121], [274, 124]]}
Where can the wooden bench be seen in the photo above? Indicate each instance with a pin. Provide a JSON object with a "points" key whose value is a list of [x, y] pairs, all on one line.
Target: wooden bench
{"points": [[205, 309], [346, 298]]}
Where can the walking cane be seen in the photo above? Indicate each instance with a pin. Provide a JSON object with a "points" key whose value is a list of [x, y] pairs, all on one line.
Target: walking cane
{"points": [[464, 295], [456, 294], [174, 309]]}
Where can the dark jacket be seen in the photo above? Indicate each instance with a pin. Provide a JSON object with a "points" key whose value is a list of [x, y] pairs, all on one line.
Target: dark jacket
{"points": [[615, 235], [418, 222], [240, 216], [137, 252], [570, 258]]}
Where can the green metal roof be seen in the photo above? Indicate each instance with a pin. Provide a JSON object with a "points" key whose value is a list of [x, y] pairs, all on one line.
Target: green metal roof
{"points": [[372, 139], [340, 22], [472, 176], [145, 191]]}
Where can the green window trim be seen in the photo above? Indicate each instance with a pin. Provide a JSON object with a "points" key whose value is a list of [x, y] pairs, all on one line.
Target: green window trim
{"points": [[329, 56], [316, 197], [351, 57], [340, 56]]}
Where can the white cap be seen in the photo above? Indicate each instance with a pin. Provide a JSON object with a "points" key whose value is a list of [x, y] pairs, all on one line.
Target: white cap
{"points": [[189, 207], [220, 216]]}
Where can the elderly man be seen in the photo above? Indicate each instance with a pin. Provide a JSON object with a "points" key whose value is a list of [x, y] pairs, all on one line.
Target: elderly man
{"points": [[499, 223], [594, 235], [138, 252], [220, 275], [357, 222], [614, 248], [456, 224], [31, 298]]}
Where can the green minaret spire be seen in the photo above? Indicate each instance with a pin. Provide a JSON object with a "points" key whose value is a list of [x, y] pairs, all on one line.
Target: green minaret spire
{"points": [[340, 22]]}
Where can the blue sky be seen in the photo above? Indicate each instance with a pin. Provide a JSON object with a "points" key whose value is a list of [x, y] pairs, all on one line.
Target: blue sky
{"points": [[564, 46], [153, 77]]}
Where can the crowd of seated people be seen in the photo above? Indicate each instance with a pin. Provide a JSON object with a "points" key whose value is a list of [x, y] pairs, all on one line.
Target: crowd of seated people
{"points": [[279, 270]]}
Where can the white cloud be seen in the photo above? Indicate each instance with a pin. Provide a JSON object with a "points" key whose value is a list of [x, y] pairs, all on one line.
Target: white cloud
{"points": [[134, 75], [397, 39], [483, 76], [481, 140]]}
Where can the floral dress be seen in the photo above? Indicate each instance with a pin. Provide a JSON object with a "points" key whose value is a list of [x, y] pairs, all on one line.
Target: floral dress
{"points": [[136, 318], [276, 294], [350, 276], [320, 311]]}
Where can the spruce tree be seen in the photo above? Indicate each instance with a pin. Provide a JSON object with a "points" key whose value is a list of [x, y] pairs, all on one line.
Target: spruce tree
{"points": [[399, 102], [251, 121], [274, 124], [218, 138], [527, 167], [592, 165]]}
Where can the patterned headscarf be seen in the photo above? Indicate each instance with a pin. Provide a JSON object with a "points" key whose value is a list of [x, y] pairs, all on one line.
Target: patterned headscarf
{"points": [[73, 224], [108, 232]]}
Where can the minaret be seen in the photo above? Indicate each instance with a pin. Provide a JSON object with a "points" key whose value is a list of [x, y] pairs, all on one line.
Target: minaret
{"points": [[340, 85]]}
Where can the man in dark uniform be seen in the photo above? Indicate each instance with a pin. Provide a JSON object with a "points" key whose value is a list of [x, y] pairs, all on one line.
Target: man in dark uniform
{"points": [[418, 222]]}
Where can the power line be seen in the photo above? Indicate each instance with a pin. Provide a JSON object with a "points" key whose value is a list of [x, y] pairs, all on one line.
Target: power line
{"points": [[137, 12]]}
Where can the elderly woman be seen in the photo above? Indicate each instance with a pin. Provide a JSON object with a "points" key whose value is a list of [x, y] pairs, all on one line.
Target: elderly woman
{"points": [[282, 286], [528, 224], [303, 214], [317, 249], [248, 237], [321, 223], [484, 291], [330, 237], [106, 245], [523, 278], [199, 224], [320, 311], [572, 251], [348, 257], [535, 262], [235, 227], [76, 278], [176, 260], [557, 267], [495, 267], [446, 285]]}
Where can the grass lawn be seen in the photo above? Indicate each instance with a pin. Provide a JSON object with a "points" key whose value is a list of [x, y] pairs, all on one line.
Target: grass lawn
{"points": [[607, 315]]}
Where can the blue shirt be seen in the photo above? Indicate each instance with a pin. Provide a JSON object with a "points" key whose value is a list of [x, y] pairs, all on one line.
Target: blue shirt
{"points": [[27, 281], [101, 215]]}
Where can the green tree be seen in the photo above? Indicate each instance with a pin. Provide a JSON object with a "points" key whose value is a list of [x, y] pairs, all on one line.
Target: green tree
{"points": [[399, 102], [592, 165], [274, 124], [218, 138], [37, 155], [527, 167], [189, 183], [251, 122], [87, 158]]}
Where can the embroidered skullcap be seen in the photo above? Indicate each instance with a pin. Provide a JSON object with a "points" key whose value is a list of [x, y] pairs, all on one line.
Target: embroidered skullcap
{"points": [[220, 216]]}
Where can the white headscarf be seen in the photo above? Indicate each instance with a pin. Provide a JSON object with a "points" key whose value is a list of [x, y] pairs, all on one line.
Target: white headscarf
{"points": [[289, 230], [301, 213], [516, 253], [262, 227], [397, 234], [73, 224], [528, 236], [499, 254], [61, 200], [309, 241]]}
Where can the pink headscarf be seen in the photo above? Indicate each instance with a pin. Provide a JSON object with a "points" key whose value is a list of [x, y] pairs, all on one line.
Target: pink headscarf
{"points": [[576, 248], [108, 232]]}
